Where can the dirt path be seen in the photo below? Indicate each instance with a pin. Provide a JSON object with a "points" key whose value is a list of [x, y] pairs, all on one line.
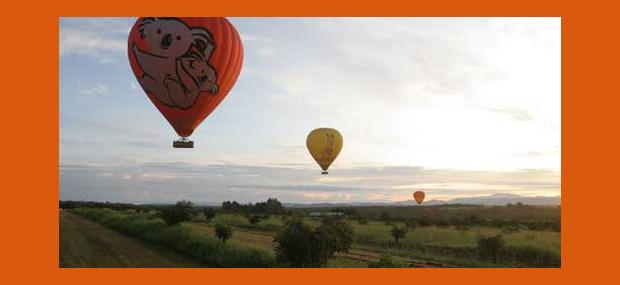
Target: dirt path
{"points": [[84, 243], [265, 239]]}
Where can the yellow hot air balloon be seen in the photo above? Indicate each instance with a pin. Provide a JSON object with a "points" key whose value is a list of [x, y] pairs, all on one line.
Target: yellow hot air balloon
{"points": [[324, 145], [419, 196]]}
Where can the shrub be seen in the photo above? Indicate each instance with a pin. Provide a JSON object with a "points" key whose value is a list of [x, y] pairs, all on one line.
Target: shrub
{"points": [[173, 215], [339, 233], [398, 232], [209, 214], [411, 223], [301, 246], [530, 256], [386, 261], [490, 247], [386, 217], [223, 232], [182, 239], [254, 219]]}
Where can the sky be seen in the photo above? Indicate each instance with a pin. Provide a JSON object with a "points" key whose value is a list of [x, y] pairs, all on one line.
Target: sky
{"points": [[457, 107]]}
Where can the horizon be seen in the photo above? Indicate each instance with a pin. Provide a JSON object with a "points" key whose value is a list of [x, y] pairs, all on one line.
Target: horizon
{"points": [[456, 107], [403, 203]]}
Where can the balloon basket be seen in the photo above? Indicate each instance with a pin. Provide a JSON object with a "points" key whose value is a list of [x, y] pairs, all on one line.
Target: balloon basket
{"points": [[183, 143], [324, 172]]}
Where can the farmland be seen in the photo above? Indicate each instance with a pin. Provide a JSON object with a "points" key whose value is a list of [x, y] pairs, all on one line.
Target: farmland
{"points": [[438, 236]]}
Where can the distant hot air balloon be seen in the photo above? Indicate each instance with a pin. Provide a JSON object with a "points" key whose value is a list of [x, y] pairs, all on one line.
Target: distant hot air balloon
{"points": [[324, 145], [186, 66], [419, 196]]}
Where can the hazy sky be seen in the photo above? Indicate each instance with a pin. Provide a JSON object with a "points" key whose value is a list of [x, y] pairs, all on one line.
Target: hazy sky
{"points": [[454, 106]]}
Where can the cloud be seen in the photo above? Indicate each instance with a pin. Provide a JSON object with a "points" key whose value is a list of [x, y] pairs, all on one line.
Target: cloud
{"points": [[97, 89], [101, 38], [439, 92], [80, 42], [162, 182], [513, 112]]}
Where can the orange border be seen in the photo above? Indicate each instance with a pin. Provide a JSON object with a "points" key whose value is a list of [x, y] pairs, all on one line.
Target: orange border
{"points": [[30, 215]]}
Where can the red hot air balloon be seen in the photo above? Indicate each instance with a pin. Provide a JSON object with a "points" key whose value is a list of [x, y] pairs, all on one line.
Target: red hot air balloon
{"points": [[186, 66], [419, 196]]}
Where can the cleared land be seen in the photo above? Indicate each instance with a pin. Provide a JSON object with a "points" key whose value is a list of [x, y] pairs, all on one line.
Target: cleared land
{"points": [[84, 243]]}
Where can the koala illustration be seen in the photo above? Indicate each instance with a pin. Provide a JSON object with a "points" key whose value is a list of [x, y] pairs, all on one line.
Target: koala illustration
{"points": [[173, 51], [195, 75]]}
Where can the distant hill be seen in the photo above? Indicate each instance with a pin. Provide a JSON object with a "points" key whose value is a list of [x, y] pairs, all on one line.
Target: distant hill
{"points": [[495, 199]]}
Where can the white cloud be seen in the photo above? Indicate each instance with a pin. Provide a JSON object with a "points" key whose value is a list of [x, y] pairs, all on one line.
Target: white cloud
{"points": [[77, 41], [101, 38], [245, 183], [469, 93], [97, 89]]}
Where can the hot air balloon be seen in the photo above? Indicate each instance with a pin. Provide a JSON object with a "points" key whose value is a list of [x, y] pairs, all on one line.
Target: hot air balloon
{"points": [[419, 196], [324, 145], [186, 66]]}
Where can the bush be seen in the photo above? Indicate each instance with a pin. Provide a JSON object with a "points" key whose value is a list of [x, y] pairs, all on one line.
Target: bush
{"points": [[182, 239], [223, 232], [254, 219], [530, 256], [209, 214], [489, 248], [386, 217], [398, 232], [339, 233], [173, 215], [301, 246], [386, 261]]}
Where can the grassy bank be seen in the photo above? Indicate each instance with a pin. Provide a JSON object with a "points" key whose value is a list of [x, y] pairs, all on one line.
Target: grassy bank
{"points": [[182, 239]]}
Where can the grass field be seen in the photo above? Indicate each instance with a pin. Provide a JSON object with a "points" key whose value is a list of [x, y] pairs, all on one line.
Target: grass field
{"points": [[84, 243]]}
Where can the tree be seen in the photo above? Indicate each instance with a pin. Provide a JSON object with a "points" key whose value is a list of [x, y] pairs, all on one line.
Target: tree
{"points": [[386, 217], [411, 223], [223, 232], [254, 219], [180, 212], [472, 220], [209, 214], [301, 246], [188, 206], [398, 232], [490, 247], [339, 233], [351, 212]]}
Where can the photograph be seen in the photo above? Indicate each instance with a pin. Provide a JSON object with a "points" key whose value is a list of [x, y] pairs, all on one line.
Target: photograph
{"points": [[309, 142]]}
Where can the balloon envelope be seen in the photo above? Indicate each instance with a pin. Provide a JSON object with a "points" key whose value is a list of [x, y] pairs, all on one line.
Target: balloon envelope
{"points": [[418, 196], [186, 66], [324, 144]]}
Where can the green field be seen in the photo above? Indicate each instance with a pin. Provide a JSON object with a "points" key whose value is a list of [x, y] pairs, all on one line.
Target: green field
{"points": [[143, 240], [84, 243]]}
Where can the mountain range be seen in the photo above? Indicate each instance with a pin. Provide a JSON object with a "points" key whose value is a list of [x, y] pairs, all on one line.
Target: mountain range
{"points": [[495, 199]]}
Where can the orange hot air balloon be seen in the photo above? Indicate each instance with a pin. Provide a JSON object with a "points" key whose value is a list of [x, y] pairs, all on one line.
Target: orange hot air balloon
{"points": [[419, 196], [186, 67]]}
